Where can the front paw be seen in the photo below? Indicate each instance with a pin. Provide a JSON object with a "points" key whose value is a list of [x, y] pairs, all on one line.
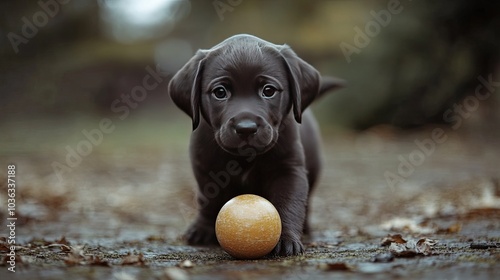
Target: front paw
{"points": [[201, 234], [288, 247]]}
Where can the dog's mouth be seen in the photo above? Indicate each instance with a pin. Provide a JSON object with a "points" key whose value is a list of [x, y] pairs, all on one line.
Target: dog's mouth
{"points": [[246, 145]]}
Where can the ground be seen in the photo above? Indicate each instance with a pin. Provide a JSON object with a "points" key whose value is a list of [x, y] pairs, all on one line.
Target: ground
{"points": [[119, 212]]}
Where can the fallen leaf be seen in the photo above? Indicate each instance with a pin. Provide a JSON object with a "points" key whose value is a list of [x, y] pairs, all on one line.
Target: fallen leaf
{"points": [[413, 247], [424, 246], [396, 238], [132, 259], [75, 256], [408, 248], [4, 248], [62, 241], [401, 251]]}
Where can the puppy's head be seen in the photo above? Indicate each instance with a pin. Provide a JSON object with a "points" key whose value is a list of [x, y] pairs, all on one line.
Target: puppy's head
{"points": [[244, 87]]}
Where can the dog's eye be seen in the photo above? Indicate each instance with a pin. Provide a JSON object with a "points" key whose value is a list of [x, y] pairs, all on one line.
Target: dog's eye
{"points": [[269, 91], [220, 92]]}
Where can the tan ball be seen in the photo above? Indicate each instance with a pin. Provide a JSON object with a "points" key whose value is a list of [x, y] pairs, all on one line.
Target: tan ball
{"points": [[248, 227]]}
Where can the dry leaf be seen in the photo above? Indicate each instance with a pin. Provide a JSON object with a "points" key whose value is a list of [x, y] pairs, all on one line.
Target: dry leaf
{"points": [[412, 247], [400, 250], [396, 238], [424, 246], [75, 256], [4, 248], [132, 259], [62, 241]]}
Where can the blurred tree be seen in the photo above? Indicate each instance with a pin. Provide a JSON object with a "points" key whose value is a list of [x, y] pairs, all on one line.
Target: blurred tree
{"points": [[438, 65]]}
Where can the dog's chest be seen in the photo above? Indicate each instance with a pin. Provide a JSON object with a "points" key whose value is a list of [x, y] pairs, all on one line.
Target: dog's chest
{"points": [[247, 181]]}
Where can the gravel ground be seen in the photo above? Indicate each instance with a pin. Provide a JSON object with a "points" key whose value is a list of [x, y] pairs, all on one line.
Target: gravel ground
{"points": [[120, 211]]}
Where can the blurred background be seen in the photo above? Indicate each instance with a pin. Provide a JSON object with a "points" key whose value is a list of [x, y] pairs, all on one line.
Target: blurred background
{"points": [[69, 60], [65, 66]]}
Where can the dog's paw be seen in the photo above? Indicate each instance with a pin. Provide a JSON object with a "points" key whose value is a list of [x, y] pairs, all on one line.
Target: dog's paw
{"points": [[199, 234], [288, 247]]}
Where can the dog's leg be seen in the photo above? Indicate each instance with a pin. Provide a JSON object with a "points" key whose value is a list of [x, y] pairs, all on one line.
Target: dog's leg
{"points": [[289, 193], [202, 230], [310, 138]]}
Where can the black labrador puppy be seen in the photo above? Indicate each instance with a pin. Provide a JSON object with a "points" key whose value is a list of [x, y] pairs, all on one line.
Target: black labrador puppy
{"points": [[251, 131]]}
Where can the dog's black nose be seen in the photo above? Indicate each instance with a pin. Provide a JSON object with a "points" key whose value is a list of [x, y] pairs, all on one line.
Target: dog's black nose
{"points": [[246, 128]]}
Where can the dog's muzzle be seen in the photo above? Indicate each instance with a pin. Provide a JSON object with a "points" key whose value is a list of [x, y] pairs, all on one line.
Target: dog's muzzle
{"points": [[246, 130]]}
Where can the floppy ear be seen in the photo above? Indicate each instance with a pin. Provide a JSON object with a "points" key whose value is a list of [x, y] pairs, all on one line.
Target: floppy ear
{"points": [[304, 81], [185, 87]]}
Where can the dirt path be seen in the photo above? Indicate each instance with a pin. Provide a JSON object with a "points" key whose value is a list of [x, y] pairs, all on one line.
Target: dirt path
{"points": [[119, 213]]}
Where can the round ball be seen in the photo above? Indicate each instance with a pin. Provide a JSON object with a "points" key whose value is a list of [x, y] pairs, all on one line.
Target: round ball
{"points": [[248, 227]]}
